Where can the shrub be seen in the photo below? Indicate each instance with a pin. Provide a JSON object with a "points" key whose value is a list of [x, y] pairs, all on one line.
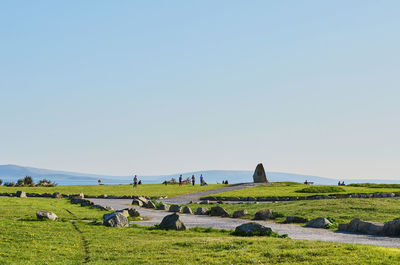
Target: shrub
{"points": [[28, 181], [20, 182], [1, 182], [9, 184], [374, 185], [321, 189], [46, 183]]}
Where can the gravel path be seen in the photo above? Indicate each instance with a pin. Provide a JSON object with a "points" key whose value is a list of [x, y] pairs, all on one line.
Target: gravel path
{"points": [[194, 197], [293, 231]]}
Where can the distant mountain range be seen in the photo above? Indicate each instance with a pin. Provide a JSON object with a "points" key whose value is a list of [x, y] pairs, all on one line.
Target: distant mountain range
{"points": [[14, 172]]}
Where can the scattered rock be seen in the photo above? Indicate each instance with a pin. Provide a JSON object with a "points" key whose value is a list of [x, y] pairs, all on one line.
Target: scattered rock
{"points": [[187, 210], [363, 227], [172, 222], [57, 195], [205, 202], [133, 212], [124, 212], [319, 222], [46, 215], [239, 213], [202, 211], [150, 205], [143, 199], [115, 219], [175, 208], [252, 229], [219, 211], [295, 219], [81, 195], [20, 194], [392, 228], [137, 202], [264, 214], [164, 207]]}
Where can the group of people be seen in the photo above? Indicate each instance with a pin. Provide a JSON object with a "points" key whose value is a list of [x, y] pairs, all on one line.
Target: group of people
{"points": [[193, 180], [225, 182], [136, 182], [341, 184]]}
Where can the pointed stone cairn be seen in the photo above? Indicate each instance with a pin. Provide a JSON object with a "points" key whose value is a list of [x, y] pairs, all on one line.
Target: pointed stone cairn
{"points": [[259, 174]]}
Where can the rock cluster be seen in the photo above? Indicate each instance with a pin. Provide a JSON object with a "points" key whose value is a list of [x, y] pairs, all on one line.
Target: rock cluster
{"points": [[391, 228]]}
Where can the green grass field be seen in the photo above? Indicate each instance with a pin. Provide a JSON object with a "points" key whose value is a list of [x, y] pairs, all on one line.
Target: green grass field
{"points": [[117, 190], [24, 240], [297, 189], [342, 210]]}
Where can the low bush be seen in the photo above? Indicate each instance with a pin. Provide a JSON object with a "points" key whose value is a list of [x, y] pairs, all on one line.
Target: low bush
{"points": [[374, 185], [321, 189]]}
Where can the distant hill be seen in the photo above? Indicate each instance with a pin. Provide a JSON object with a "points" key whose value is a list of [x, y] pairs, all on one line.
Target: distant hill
{"points": [[14, 172]]}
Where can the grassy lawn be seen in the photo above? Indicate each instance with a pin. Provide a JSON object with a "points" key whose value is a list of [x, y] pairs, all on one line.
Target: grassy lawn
{"points": [[117, 190], [24, 240], [297, 190], [342, 210]]}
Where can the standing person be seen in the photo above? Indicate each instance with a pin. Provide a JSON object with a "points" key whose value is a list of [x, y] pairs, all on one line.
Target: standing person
{"points": [[135, 181], [180, 180], [201, 179], [193, 180]]}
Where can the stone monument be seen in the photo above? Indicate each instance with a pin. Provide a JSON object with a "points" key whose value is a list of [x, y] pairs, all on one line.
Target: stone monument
{"points": [[259, 174]]}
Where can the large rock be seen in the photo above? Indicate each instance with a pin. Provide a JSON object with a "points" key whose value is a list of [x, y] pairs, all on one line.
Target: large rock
{"points": [[46, 215], [124, 212], [264, 215], [218, 211], [392, 228], [115, 219], [259, 175], [20, 194], [202, 211], [133, 212], [143, 199], [295, 219], [363, 227], [175, 208], [150, 205], [252, 229], [239, 213], [172, 222], [319, 222], [162, 206], [187, 210], [137, 202]]}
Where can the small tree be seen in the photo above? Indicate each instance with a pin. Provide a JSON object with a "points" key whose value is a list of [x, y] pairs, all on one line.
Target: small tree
{"points": [[1, 182], [28, 181], [20, 182]]}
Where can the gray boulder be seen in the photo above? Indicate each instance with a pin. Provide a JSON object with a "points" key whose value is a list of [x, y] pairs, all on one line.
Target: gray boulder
{"points": [[295, 219], [392, 228], [264, 215], [175, 208], [187, 210], [150, 205], [124, 212], [81, 195], [172, 222], [202, 211], [20, 194], [133, 212], [205, 202], [319, 222], [137, 202], [115, 219], [219, 211], [363, 227], [251, 229], [57, 195], [143, 199], [164, 207], [46, 215], [239, 213]]}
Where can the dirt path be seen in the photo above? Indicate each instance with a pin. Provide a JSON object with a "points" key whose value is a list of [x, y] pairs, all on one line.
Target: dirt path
{"points": [[194, 197], [293, 231]]}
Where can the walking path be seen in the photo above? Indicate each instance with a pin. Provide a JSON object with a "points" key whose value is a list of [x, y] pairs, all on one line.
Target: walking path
{"points": [[194, 197], [293, 231]]}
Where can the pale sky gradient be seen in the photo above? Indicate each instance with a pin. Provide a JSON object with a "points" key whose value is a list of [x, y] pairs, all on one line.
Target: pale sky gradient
{"points": [[157, 87]]}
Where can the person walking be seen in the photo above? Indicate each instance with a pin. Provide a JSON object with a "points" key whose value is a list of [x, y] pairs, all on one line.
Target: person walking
{"points": [[135, 181], [180, 180], [193, 180]]}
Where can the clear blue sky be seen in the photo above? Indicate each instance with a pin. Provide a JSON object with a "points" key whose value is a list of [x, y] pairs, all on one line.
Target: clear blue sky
{"points": [[155, 87]]}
